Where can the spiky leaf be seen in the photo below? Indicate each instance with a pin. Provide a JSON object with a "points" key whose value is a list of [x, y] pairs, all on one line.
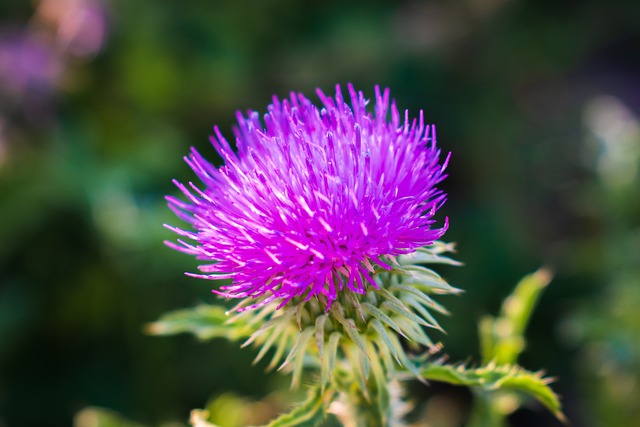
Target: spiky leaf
{"points": [[495, 378]]}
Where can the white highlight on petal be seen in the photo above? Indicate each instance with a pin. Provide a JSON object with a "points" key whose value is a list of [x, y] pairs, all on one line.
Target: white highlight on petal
{"points": [[325, 224], [305, 206], [272, 256], [317, 254], [365, 231], [375, 212], [322, 197], [297, 244]]}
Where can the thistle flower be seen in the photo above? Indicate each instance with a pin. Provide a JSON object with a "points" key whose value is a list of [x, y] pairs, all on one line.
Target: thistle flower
{"points": [[315, 201], [329, 211]]}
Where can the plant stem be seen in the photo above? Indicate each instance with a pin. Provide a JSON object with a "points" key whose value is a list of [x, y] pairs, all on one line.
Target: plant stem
{"points": [[485, 411]]}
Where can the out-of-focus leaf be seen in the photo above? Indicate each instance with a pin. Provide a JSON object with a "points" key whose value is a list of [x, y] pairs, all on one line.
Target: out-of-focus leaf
{"points": [[204, 321], [309, 413], [229, 410], [99, 417], [199, 418], [501, 338]]}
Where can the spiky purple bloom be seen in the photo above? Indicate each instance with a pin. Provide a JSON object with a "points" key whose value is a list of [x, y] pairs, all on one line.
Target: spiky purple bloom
{"points": [[314, 199]]}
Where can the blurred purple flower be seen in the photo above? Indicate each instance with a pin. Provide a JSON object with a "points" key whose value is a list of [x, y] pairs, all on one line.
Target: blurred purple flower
{"points": [[313, 200], [27, 65]]}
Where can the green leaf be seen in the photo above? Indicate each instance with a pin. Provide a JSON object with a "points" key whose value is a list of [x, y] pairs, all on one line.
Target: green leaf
{"points": [[502, 339], [204, 321], [309, 413], [494, 378], [487, 338], [534, 385], [228, 410], [456, 375], [517, 308]]}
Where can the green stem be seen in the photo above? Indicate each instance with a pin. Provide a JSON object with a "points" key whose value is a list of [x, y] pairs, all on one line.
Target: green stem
{"points": [[368, 417], [370, 410], [485, 411]]}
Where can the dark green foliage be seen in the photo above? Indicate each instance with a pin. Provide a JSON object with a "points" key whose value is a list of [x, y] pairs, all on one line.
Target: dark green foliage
{"points": [[509, 84]]}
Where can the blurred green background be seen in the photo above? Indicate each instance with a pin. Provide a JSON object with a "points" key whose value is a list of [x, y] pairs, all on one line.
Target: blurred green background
{"points": [[538, 101]]}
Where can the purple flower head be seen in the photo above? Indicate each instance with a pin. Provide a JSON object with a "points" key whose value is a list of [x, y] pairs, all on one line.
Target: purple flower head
{"points": [[314, 200]]}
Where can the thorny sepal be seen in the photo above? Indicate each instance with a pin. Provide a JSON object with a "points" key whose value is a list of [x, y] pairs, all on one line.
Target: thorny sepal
{"points": [[348, 337]]}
